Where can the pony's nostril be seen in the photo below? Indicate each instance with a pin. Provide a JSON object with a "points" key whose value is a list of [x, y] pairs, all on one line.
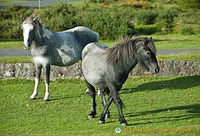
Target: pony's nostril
{"points": [[157, 70]]}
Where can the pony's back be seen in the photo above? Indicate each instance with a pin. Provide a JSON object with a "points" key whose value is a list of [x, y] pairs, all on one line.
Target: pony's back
{"points": [[92, 47]]}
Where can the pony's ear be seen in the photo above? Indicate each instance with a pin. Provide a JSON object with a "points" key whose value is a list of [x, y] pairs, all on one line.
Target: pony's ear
{"points": [[145, 41], [150, 38], [22, 18], [35, 19]]}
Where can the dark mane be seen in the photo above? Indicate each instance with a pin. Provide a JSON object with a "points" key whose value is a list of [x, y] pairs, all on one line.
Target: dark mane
{"points": [[125, 49], [31, 17]]}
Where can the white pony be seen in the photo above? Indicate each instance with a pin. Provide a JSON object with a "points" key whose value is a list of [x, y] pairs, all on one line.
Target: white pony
{"points": [[53, 48]]}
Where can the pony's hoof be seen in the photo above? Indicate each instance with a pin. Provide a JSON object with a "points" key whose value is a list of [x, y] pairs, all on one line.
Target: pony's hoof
{"points": [[101, 122], [124, 124], [107, 115], [87, 91], [32, 99], [46, 100], [90, 117]]}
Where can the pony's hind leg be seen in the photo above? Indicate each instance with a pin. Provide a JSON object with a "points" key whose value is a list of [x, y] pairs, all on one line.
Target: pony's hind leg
{"points": [[106, 106], [47, 74], [37, 80], [102, 93], [93, 102]]}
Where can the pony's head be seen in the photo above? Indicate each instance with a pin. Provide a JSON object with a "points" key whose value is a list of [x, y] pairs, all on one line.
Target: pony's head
{"points": [[146, 55], [29, 26]]}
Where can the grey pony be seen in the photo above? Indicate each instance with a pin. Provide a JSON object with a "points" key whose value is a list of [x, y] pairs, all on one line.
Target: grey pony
{"points": [[53, 48], [108, 69]]}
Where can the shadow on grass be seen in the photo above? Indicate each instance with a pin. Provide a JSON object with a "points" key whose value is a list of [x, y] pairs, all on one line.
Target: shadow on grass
{"points": [[57, 98], [193, 110], [66, 97], [177, 83]]}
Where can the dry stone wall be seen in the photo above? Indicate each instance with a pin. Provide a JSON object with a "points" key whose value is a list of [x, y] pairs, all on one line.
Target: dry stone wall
{"points": [[167, 68]]}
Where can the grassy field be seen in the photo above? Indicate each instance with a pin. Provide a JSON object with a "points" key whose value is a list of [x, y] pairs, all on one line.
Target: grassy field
{"points": [[3, 1], [182, 56], [162, 42], [153, 106]]}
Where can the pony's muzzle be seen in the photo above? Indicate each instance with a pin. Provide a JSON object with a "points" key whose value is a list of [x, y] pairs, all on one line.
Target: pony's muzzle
{"points": [[26, 47], [157, 70]]}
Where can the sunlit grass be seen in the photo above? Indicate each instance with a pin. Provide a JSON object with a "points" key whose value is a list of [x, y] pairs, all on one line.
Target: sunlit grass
{"points": [[15, 59], [162, 105], [182, 56], [10, 44]]}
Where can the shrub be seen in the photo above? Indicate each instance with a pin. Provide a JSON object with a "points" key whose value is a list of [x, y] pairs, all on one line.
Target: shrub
{"points": [[146, 29], [109, 23], [10, 26], [102, 1], [166, 18], [58, 17], [145, 17], [136, 4], [186, 4], [192, 17], [187, 30]]}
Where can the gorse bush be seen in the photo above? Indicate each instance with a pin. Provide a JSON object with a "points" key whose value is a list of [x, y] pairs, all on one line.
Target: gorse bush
{"points": [[136, 4], [166, 18], [109, 23], [10, 26], [186, 4], [58, 17], [145, 17], [187, 30]]}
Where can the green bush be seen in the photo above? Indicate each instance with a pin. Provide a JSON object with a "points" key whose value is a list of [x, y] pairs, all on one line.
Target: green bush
{"points": [[187, 30], [102, 1], [146, 29], [10, 26], [145, 17], [58, 17], [186, 4], [166, 18], [109, 23]]}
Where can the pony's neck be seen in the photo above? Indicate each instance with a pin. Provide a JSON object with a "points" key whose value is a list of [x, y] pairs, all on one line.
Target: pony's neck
{"points": [[129, 66], [38, 38]]}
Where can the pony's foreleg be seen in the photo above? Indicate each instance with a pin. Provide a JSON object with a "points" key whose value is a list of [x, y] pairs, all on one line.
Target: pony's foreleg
{"points": [[118, 102], [102, 93], [37, 80], [47, 74]]}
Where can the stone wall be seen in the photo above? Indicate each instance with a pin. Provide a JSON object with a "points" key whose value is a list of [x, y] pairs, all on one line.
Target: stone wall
{"points": [[167, 68]]}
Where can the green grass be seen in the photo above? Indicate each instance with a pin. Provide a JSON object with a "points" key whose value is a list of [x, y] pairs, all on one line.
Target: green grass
{"points": [[170, 41], [181, 56], [162, 42], [11, 44], [176, 41], [153, 106], [3, 1], [15, 59]]}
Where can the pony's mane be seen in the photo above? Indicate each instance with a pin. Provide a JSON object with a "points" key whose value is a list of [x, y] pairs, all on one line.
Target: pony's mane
{"points": [[124, 49], [33, 16]]}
